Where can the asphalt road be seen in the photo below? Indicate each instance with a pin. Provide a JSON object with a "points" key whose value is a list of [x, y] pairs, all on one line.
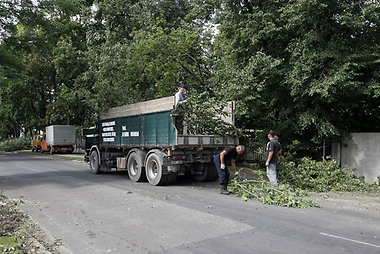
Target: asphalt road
{"points": [[110, 214]]}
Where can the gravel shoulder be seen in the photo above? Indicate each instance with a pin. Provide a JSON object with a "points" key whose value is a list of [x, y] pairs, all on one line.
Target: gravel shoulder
{"points": [[367, 204], [61, 156]]}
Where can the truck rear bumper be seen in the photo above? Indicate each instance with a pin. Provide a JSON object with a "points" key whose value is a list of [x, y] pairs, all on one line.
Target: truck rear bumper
{"points": [[63, 148]]}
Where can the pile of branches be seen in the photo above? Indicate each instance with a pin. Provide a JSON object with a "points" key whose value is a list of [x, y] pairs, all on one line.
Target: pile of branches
{"points": [[15, 145], [297, 178], [281, 195], [322, 176]]}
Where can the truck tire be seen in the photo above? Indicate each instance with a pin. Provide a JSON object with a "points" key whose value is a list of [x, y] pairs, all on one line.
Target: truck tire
{"points": [[172, 178], [94, 162], [154, 170], [135, 167], [212, 172], [209, 172], [200, 172]]}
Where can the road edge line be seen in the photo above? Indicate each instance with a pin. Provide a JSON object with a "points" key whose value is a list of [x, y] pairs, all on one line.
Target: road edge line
{"points": [[350, 240]]}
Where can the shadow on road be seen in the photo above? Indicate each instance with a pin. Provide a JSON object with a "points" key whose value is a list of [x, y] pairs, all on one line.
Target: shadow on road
{"points": [[28, 169]]}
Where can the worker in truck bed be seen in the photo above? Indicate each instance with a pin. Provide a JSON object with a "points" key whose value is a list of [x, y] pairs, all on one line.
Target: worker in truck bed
{"points": [[229, 153], [179, 113]]}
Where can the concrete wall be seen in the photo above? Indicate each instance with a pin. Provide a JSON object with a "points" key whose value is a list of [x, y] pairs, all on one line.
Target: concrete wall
{"points": [[363, 153]]}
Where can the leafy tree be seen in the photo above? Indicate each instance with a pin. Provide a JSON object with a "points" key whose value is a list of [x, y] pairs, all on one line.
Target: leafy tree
{"points": [[308, 69], [140, 53], [13, 11]]}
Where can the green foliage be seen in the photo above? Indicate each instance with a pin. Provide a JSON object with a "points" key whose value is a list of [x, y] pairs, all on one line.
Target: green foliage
{"points": [[10, 221], [9, 244], [15, 145], [321, 176], [204, 115], [282, 195], [297, 178], [308, 69]]}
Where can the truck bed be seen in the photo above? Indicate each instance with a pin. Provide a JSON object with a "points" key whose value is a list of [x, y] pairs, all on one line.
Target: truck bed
{"points": [[205, 141], [147, 125]]}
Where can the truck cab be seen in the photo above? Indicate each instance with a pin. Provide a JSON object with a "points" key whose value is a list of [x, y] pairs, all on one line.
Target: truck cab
{"points": [[44, 146], [36, 142]]}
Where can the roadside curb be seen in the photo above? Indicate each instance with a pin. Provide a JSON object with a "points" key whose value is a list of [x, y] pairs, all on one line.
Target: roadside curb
{"points": [[67, 157], [35, 247]]}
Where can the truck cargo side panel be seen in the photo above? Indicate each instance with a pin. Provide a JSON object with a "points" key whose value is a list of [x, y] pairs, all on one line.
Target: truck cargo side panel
{"points": [[131, 130], [60, 135], [164, 127], [151, 130], [158, 129]]}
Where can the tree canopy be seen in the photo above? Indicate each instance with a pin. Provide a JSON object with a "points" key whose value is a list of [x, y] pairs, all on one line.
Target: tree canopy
{"points": [[308, 69]]}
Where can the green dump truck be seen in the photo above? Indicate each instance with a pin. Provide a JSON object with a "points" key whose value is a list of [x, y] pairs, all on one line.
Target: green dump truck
{"points": [[142, 139]]}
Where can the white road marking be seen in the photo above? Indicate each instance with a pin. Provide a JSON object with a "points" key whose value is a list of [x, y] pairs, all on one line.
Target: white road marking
{"points": [[351, 240]]}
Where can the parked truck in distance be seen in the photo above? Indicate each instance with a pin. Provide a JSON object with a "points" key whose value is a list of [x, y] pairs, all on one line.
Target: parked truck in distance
{"points": [[142, 139], [58, 138], [35, 143]]}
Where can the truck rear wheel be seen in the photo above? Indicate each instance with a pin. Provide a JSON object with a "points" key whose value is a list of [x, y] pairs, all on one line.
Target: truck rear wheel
{"points": [[94, 162], [204, 172], [154, 170], [212, 172], [135, 168]]}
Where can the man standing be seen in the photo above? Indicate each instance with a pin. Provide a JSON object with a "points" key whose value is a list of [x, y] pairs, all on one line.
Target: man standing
{"points": [[273, 152], [230, 153], [179, 112], [179, 95]]}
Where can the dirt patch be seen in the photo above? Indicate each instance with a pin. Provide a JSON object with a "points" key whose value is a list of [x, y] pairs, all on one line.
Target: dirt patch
{"points": [[11, 220]]}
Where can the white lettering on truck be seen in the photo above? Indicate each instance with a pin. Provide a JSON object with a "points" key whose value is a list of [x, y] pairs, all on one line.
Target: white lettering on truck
{"points": [[135, 134], [108, 129], [108, 124]]}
